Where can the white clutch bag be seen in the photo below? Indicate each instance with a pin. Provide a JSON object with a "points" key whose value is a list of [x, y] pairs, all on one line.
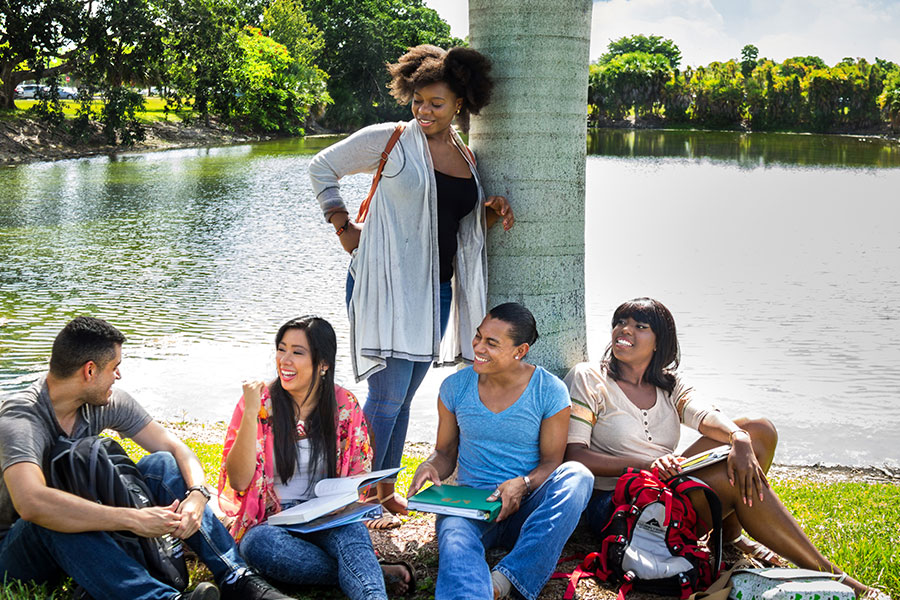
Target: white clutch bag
{"points": [[787, 584]]}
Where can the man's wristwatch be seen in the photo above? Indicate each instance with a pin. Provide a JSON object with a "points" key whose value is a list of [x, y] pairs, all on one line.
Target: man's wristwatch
{"points": [[199, 488]]}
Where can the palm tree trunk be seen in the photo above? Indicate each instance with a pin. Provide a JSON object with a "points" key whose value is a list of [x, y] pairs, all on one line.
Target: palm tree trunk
{"points": [[531, 147]]}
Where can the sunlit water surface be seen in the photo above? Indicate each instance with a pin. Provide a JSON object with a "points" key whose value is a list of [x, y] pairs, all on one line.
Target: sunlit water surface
{"points": [[777, 254]]}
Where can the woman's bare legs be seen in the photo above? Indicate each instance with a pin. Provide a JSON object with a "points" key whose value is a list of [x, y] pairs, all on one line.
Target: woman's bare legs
{"points": [[766, 518]]}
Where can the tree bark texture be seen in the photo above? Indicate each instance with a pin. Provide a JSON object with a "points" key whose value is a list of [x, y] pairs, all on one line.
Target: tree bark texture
{"points": [[531, 147]]}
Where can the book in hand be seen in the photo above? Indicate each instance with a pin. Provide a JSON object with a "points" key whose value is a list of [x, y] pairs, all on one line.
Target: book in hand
{"points": [[456, 501], [353, 512], [704, 459], [331, 494]]}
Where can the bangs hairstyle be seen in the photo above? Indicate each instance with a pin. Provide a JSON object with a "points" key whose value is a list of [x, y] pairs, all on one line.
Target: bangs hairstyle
{"points": [[667, 356], [320, 426], [465, 71]]}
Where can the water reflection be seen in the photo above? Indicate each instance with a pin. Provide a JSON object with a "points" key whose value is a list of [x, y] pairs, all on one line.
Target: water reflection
{"points": [[748, 149], [783, 279]]}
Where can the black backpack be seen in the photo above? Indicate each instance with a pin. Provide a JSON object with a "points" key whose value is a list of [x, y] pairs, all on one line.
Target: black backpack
{"points": [[98, 469]]}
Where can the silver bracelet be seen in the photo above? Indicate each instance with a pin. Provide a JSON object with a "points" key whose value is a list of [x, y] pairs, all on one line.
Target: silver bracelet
{"points": [[527, 481]]}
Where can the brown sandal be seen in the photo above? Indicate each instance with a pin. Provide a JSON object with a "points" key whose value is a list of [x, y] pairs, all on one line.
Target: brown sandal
{"points": [[758, 552]]}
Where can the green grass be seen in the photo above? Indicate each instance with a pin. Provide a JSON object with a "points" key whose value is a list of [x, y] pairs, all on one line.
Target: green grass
{"points": [[154, 110], [857, 525]]}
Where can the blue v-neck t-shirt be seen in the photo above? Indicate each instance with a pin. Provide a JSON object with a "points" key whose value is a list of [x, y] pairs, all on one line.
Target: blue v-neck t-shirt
{"points": [[496, 447]]}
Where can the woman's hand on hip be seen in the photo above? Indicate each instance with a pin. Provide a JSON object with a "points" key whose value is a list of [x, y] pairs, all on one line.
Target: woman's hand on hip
{"points": [[745, 471], [350, 237], [510, 492], [497, 208]]}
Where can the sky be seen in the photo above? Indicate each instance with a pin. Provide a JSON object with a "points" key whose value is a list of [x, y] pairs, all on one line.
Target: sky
{"points": [[709, 30]]}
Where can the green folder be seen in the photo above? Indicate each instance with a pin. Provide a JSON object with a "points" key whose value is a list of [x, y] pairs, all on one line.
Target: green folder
{"points": [[456, 501]]}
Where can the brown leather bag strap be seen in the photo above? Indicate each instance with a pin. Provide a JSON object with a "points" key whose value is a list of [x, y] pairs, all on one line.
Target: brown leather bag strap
{"points": [[364, 207]]}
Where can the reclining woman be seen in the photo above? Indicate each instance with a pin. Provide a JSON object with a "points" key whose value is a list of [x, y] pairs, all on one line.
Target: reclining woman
{"points": [[505, 421], [627, 411], [419, 264], [283, 438]]}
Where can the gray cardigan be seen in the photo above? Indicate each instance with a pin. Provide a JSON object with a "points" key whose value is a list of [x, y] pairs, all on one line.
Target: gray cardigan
{"points": [[395, 306]]}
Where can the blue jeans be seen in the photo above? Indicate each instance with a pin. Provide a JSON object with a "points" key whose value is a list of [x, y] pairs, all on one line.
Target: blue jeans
{"points": [[341, 555], [535, 535], [94, 560], [599, 509], [391, 391]]}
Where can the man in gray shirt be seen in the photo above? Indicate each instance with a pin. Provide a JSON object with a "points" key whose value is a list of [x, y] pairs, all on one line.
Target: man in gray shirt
{"points": [[45, 532]]}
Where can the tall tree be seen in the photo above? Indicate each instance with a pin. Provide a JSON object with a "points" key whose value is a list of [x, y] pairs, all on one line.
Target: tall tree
{"points": [[749, 54], [652, 44], [531, 147], [286, 22], [201, 47], [361, 36], [34, 31]]}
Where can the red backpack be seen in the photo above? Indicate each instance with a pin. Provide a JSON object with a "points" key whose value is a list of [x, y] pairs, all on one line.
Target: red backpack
{"points": [[650, 542]]}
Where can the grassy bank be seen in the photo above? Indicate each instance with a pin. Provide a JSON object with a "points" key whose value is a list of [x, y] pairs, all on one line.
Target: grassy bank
{"points": [[154, 109], [856, 524]]}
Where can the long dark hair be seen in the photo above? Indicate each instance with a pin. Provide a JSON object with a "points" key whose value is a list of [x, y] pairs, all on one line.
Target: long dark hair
{"points": [[661, 371], [320, 427]]}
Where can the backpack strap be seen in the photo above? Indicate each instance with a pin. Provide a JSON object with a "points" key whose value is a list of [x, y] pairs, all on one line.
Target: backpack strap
{"points": [[364, 207], [687, 483]]}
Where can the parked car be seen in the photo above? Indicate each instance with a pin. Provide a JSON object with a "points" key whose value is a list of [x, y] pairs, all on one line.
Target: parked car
{"points": [[67, 93], [30, 90]]}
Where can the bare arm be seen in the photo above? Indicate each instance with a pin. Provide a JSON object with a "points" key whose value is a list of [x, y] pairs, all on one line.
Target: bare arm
{"points": [[742, 467], [61, 511], [603, 465], [155, 438], [241, 462], [442, 461]]}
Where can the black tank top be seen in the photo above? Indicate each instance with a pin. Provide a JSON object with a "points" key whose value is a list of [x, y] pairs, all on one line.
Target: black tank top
{"points": [[456, 197]]}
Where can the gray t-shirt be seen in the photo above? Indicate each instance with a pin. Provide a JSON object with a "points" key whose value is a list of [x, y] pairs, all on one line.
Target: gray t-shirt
{"points": [[28, 430]]}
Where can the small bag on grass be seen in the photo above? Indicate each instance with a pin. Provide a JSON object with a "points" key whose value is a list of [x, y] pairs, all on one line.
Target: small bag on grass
{"points": [[788, 584]]}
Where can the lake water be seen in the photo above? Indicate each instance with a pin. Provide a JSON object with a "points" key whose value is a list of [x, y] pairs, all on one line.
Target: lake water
{"points": [[778, 255]]}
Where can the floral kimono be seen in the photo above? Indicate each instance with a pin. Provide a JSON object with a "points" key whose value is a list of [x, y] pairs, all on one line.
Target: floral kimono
{"points": [[253, 506]]}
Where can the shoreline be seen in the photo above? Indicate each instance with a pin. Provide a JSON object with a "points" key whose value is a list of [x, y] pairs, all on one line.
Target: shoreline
{"points": [[25, 140], [214, 433]]}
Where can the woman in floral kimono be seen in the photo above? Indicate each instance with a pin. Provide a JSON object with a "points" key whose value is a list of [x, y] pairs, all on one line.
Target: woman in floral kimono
{"points": [[283, 438]]}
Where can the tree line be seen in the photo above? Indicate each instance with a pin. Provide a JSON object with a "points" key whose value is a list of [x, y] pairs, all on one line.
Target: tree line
{"points": [[639, 77], [265, 65]]}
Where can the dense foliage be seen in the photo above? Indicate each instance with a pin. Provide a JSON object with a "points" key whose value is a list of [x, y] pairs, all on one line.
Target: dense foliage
{"points": [[638, 78], [201, 54], [361, 36]]}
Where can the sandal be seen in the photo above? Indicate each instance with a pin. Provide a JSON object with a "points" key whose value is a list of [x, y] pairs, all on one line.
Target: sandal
{"points": [[387, 520], [875, 594], [394, 583], [758, 552]]}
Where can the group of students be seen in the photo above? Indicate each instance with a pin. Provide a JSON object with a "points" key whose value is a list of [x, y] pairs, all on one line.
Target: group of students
{"points": [[550, 450]]}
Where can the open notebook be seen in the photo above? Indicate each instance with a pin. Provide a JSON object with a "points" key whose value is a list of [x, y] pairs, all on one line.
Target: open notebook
{"points": [[331, 494]]}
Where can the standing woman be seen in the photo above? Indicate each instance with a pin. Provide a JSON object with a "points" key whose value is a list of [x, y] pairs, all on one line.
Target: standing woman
{"points": [[627, 411], [283, 438], [420, 261]]}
